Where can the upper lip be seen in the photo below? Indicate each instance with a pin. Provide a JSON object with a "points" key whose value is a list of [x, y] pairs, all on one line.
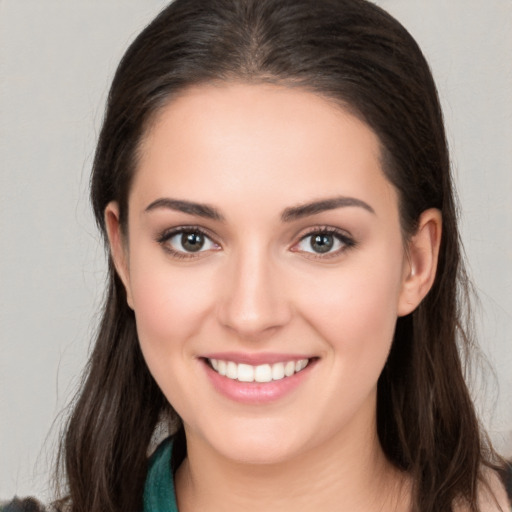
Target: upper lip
{"points": [[256, 359]]}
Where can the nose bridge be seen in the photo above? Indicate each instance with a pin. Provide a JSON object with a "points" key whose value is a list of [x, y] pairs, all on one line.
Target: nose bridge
{"points": [[254, 299]]}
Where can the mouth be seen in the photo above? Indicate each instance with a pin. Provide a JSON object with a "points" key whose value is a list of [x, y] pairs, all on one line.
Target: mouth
{"points": [[254, 379], [261, 373]]}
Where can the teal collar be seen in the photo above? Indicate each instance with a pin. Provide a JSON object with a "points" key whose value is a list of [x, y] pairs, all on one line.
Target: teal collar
{"points": [[159, 495]]}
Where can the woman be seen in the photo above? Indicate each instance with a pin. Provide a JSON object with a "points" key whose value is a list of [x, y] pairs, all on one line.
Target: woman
{"points": [[285, 286]]}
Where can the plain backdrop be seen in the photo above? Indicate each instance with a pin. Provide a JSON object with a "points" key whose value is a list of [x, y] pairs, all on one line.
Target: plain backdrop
{"points": [[57, 58]]}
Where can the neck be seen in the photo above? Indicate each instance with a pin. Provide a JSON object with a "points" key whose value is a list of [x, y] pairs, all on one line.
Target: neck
{"points": [[339, 474]]}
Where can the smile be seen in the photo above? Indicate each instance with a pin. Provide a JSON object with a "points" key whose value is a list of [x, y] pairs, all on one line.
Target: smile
{"points": [[261, 373]]}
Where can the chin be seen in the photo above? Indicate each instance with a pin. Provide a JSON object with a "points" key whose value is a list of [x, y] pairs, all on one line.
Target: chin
{"points": [[259, 451], [263, 443]]}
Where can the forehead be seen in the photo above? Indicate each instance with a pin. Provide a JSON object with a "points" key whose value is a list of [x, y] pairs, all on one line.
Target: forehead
{"points": [[215, 141]]}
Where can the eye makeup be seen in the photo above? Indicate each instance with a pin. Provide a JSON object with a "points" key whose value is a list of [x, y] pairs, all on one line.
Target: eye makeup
{"points": [[192, 241], [323, 242]]}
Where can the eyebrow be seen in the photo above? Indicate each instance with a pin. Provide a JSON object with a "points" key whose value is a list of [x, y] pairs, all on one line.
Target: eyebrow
{"points": [[305, 210], [201, 210], [289, 214]]}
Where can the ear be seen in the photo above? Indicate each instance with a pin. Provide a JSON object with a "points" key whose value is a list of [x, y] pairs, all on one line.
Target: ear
{"points": [[421, 265], [118, 247]]}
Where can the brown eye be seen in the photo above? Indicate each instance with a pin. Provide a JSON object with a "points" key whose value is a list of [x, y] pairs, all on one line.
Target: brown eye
{"points": [[186, 242], [192, 242]]}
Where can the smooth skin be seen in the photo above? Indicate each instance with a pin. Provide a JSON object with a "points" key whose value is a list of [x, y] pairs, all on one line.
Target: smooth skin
{"points": [[252, 156]]}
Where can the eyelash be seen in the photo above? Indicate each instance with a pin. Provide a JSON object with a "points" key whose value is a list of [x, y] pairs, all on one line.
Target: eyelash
{"points": [[346, 241], [168, 234], [342, 237]]}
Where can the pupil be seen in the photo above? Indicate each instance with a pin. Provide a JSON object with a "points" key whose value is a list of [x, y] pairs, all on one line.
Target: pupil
{"points": [[322, 243], [192, 241]]}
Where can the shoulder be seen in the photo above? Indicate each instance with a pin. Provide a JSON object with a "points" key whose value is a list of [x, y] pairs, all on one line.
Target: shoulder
{"points": [[492, 494], [22, 505]]}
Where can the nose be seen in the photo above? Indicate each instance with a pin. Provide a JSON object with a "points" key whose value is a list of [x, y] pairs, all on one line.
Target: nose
{"points": [[254, 302]]}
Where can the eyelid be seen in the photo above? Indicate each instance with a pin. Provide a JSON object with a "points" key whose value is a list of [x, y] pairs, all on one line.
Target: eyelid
{"points": [[167, 234], [345, 238], [342, 236]]}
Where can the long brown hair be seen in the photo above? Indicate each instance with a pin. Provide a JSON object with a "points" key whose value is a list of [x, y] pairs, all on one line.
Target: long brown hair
{"points": [[355, 53]]}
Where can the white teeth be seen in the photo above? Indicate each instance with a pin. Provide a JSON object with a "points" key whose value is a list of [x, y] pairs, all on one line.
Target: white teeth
{"points": [[222, 367], [261, 373], [232, 370], [289, 368], [300, 365], [245, 373], [277, 371]]}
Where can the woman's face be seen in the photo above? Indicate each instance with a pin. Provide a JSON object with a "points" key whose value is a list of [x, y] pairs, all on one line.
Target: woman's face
{"points": [[263, 236]]}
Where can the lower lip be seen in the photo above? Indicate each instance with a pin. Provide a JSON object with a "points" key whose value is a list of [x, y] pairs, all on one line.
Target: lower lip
{"points": [[256, 392]]}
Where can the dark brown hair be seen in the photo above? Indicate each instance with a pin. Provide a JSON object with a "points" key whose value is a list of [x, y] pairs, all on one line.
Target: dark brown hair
{"points": [[356, 54]]}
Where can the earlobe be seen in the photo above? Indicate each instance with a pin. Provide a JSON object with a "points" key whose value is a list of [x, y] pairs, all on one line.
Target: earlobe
{"points": [[421, 266], [118, 249]]}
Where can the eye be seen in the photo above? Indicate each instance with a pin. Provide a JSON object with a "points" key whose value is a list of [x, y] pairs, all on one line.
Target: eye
{"points": [[324, 242], [185, 242]]}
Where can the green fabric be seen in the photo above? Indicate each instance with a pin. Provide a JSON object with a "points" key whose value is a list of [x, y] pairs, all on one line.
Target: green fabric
{"points": [[159, 495]]}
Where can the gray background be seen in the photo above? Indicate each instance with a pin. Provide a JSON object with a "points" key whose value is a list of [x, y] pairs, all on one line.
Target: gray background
{"points": [[56, 60]]}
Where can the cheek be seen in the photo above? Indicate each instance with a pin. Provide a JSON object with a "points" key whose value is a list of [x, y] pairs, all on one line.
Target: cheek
{"points": [[169, 303], [170, 307], [354, 308]]}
